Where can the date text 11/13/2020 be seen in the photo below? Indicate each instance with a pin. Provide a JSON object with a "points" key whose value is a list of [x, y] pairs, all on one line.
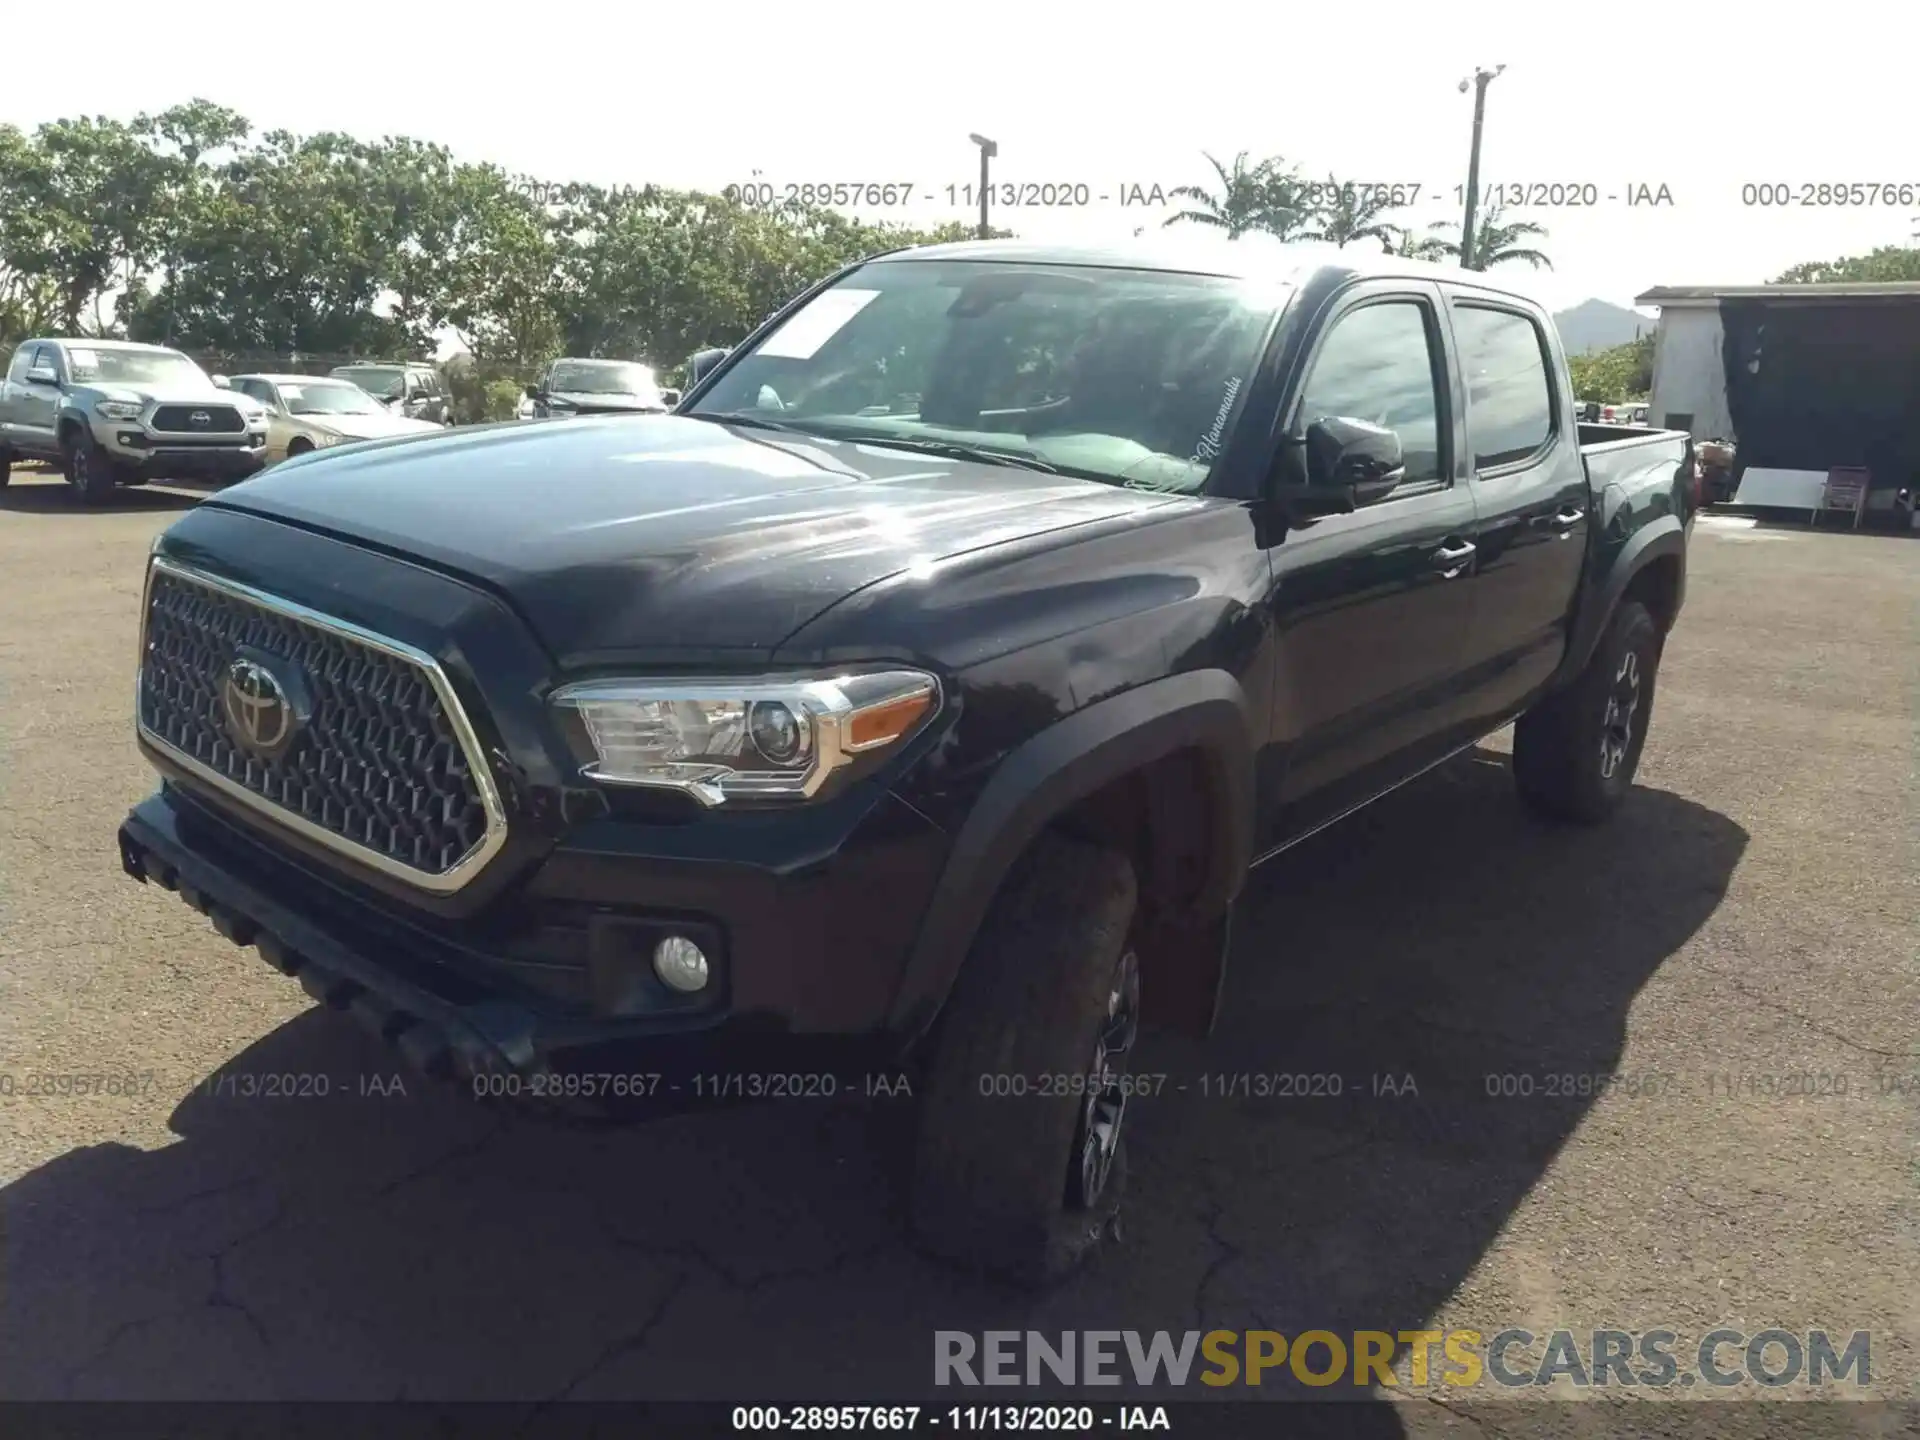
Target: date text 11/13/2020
{"points": [[1134, 194]]}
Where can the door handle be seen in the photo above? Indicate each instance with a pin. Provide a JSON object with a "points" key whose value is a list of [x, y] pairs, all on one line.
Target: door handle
{"points": [[1450, 560], [1563, 519]]}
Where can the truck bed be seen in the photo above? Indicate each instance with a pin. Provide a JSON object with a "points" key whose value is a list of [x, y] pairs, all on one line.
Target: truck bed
{"points": [[1634, 455]]}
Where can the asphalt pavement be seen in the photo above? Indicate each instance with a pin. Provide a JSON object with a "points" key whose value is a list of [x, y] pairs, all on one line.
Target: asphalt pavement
{"points": [[1746, 926]]}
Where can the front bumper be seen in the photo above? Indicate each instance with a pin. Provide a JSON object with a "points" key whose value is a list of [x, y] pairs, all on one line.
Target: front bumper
{"points": [[150, 456], [537, 981]]}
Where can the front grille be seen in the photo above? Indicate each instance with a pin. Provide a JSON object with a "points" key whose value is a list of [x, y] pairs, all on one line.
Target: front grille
{"points": [[378, 770], [221, 419]]}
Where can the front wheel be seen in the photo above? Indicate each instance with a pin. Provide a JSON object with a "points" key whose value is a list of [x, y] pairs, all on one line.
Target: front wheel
{"points": [[6, 466], [1574, 754], [89, 471], [298, 447], [1019, 1167]]}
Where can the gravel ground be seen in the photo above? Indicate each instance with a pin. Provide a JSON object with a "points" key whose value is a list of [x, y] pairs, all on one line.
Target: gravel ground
{"points": [[1751, 914]]}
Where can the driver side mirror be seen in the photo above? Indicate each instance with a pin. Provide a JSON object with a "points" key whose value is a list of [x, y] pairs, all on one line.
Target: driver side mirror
{"points": [[702, 365], [670, 397], [1348, 463], [533, 392], [42, 375], [221, 382]]}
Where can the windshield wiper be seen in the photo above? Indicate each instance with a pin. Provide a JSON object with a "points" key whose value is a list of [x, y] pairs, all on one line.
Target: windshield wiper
{"points": [[958, 450], [753, 422]]}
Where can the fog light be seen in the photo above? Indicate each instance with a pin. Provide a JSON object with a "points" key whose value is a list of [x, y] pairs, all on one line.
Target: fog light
{"points": [[680, 964]]}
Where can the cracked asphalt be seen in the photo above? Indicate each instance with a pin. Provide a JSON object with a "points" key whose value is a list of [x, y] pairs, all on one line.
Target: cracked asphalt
{"points": [[1751, 914]]}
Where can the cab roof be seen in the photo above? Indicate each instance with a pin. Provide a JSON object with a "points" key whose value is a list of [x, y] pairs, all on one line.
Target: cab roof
{"points": [[1249, 257]]}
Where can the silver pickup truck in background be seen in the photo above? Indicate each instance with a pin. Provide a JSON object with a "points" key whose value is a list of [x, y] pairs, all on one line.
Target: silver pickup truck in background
{"points": [[111, 413]]}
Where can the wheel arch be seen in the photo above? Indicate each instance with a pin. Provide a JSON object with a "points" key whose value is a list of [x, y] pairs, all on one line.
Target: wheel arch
{"points": [[1651, 567], [1163, 771]]}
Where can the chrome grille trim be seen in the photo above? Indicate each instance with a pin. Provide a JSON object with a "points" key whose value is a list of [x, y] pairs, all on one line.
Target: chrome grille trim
{"points": [[458, 875]]}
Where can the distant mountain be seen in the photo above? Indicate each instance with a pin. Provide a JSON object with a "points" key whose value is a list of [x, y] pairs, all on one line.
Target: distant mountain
{"points": [[1596, 325]]}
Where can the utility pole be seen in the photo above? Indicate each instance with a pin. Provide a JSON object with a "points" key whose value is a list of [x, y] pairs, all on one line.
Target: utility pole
{"points": [[1480, 80], [988, 150]]}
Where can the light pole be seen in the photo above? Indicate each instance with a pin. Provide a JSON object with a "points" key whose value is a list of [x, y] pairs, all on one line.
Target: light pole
{"points": [[988, 149], [1480, 80]]}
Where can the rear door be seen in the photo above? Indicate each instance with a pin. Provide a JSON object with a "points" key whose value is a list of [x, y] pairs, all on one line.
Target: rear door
{"points": [[1373, 608], [1530, 492]]}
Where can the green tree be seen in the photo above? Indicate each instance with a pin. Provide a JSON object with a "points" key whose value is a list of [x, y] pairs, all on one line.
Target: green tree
{"points": [[1886, 265], [1267, 196], [1622, 372], [1409, 244], [1497, 241], [1350, 213]]}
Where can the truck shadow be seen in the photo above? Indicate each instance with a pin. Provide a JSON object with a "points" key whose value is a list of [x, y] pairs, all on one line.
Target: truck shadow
{"points": [[368, 1244]]}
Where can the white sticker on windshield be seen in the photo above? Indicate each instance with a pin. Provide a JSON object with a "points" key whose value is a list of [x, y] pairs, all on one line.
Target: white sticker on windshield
{"points": [[82, 360], [802, 336]]}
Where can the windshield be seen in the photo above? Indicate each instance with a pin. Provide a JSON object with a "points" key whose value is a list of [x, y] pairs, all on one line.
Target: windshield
{"points": [[134, 367], [603, 377], [1127, 376], [328, 397], [374, 379]]}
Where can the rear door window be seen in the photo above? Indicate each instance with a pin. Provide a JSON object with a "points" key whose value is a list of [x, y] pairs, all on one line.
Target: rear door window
{"points": [[1509, 386]]}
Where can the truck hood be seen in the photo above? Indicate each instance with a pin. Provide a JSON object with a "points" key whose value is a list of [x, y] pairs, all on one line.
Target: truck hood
{"points": [[667, 533], [208, 394], [369, 427], [584, 402]]}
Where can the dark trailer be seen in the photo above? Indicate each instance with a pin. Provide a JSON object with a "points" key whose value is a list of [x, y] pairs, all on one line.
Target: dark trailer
{"points": [[1805, 379]]}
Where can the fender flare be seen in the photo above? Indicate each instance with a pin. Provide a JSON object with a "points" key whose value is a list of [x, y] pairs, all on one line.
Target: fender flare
{"points": [[76, 415], [1656, 540], [1203, 710]]}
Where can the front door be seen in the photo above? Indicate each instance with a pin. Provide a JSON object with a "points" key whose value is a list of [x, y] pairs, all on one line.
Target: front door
{"points": [[33, 406], [1372, 608], [1531, 492]]}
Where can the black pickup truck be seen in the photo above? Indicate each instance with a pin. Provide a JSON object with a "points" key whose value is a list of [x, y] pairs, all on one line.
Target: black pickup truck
{"points": [[930, 678]]}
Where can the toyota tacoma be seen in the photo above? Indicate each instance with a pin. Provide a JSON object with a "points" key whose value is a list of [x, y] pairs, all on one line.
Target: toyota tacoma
{"points": [[111, 413], [930, 679]]}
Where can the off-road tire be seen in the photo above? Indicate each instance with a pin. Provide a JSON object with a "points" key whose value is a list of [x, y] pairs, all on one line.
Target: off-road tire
{"points": [[6, 466], [87, 468], [994, 1171], [1572, 760]]}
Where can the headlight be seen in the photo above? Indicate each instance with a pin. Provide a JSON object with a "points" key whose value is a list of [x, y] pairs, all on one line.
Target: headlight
{"points": [[768, 738], [121, 409]]}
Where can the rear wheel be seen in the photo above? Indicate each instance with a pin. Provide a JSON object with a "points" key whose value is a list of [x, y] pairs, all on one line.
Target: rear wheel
{"points": [[88, 469], [1019, 1166], [1575, 754]]}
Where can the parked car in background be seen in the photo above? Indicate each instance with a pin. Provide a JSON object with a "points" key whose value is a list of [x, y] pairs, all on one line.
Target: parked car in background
{"points": [[410, 388], [573, 386], [111, 413], [311, 412], [929, 681]]}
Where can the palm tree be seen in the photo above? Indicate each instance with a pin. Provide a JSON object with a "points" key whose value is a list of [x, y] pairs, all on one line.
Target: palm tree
{"points": [[1266, 196], [1494, 242], [1405, 242], [1349, 213]]}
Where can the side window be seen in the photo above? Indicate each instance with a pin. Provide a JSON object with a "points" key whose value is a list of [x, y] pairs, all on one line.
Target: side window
{"points": [[1377, 365], [22, 362], [1509, 388], [255, 388]]}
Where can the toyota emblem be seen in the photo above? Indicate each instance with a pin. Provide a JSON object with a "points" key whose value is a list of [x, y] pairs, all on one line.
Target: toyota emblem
{"points": [[200, 419], [264, 711]]}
